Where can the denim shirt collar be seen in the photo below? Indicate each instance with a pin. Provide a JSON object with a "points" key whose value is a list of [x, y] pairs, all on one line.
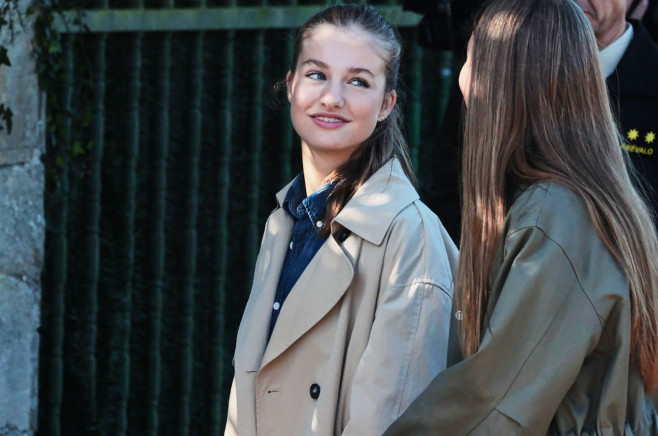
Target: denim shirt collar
{"points": [[313, 207], [375, 205]]}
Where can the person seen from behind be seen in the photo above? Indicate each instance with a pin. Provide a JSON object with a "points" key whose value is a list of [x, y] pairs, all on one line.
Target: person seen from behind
{"points": [[557, 282]]}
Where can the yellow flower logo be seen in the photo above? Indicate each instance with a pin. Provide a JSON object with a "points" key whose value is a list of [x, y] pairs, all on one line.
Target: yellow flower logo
{"points": [[633, 134], [650, 137]]}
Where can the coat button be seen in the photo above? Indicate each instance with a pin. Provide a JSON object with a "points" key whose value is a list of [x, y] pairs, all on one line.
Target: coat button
{"points": [[315, 391]]}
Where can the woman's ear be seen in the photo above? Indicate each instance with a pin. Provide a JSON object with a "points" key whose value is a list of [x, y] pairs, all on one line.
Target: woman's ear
{"points": [[387, 105], [289, 85]]}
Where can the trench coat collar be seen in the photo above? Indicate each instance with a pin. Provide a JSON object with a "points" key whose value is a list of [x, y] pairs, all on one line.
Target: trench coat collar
{"points": [[325, 280], [371, 210]]}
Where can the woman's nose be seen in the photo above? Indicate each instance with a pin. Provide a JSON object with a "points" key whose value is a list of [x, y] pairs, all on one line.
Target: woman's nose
{"points": [[333, 94]]}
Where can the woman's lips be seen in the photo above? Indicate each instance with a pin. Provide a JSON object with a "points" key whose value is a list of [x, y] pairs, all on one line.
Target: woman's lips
{"points": [[329, 121]]}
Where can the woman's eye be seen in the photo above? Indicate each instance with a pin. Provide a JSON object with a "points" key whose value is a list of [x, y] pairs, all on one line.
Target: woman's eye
{"points": [[315, 75], [360, 82]]}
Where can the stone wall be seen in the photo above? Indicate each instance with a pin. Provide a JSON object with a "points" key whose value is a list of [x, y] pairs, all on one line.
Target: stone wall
{"points": [[21, 236]]}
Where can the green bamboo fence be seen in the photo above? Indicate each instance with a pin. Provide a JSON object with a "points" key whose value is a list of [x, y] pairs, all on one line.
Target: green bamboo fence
{"points": [[156, 236], [54, 275]]}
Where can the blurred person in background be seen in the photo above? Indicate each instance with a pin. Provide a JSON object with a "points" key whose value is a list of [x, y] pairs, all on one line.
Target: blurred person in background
{"points": [[629, 59]]}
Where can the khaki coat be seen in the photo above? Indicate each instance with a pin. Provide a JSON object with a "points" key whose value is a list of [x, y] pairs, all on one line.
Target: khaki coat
{"points": [[555, 357], [364, 329]]}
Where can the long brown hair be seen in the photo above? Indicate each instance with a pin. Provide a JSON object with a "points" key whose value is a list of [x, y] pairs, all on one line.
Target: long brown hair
{"points": [[387, 140], [538, 111]]}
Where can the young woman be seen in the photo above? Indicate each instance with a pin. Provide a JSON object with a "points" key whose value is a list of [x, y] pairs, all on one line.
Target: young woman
{"points": [[349, 310], [557, 281]]}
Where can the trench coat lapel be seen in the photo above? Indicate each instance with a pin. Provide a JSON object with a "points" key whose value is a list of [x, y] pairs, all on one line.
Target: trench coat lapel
{"points": [[325, 280], [252, 336], [318, 290]]}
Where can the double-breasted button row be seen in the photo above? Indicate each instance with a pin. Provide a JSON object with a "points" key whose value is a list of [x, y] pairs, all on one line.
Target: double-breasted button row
{"points": [[315, 391]]}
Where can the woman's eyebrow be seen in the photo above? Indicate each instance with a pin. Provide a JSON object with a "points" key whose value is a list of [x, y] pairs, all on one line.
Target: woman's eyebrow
{"points": [[315, 62], [357, 70], [353, 70]]}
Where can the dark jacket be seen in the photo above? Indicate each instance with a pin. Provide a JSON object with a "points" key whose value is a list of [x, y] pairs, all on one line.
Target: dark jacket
{"points": [[555, 354], [634, 97]]}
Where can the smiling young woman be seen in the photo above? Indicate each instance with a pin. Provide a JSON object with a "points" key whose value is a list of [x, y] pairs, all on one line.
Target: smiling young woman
{"points": [[337, 93], [348, 316]]}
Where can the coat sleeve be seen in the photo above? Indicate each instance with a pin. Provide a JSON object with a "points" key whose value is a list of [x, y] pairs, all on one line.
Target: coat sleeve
{"points": [[232, 418], [408, 340], [540, 331]]}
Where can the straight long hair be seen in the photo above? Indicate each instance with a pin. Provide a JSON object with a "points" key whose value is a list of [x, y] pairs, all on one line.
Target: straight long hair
{"points": [[387, 140], [539, 111]]}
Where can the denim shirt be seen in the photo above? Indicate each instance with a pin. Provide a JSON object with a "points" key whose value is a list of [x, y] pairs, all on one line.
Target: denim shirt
{"points": [[307, 213]]}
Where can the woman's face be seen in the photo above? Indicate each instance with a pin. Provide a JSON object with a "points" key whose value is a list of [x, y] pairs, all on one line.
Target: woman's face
{"points": [[337, 91], [465, 73]]}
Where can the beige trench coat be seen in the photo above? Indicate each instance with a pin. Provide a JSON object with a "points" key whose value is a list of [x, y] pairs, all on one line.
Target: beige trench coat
{"points": [[364, 329]]}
